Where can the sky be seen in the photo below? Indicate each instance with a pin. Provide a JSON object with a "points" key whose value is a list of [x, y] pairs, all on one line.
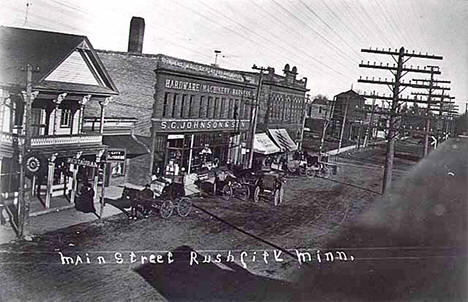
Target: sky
{"points": [[322, 38]]}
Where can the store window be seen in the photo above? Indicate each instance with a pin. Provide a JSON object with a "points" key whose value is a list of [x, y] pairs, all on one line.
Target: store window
{"points": [[209, 107], [174, 105], [165, 104], [223, 108], [182, 106], [191, 105], [201, 113]]}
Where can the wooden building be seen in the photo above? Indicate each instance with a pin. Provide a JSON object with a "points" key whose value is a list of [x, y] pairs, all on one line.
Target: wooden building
{"points": [[67, 76]]}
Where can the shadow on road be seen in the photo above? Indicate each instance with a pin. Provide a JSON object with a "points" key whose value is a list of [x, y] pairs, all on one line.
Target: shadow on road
{"points": [[180, 281], [411, 245]]}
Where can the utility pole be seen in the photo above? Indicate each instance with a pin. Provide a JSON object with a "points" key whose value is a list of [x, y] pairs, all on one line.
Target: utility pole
{"points": [[370, 126], [24, 200], [304, 115], [254, 114], [400, 57], [343, 123], [326, 123]]}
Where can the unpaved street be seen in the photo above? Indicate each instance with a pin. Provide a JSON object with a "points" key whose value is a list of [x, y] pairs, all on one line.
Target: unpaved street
{"points": [[314, 212]]}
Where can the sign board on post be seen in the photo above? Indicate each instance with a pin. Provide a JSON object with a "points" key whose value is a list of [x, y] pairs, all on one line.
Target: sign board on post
{"points": [[116, 155]]}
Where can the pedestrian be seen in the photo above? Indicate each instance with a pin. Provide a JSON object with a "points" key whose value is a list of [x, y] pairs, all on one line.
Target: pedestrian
{"points": [[85, 202]]}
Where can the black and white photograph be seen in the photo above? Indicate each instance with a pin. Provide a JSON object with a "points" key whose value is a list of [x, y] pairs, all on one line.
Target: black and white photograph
{"points": [[234, 150]]}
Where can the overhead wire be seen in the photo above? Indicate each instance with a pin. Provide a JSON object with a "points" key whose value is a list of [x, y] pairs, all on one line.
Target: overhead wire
{"points": [[327, 41], [264, 38], [359, 34], [308, 8]]}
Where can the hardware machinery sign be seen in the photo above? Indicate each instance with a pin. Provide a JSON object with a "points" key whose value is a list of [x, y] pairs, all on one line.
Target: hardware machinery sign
{"points": [[172, 125]]}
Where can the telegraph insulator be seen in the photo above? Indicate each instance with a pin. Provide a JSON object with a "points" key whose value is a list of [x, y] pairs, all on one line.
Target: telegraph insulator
{"points": [[417, 67], [396, 50], [426, 53], [367, 77], [362, 62], [374, 63], [419, 53], [413, 50], [380, 63], [389, 49], [372, 78], [387, 64], [385, 79], [368, 63], [379, 79]]}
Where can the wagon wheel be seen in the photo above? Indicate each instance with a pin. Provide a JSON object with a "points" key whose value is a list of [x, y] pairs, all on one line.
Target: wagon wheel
{"points": [[302, 170], [310, 172], [166, 209], [256, 195], [278, 198], [243, 192], [184, 206], [226, 192], [292, 170]]}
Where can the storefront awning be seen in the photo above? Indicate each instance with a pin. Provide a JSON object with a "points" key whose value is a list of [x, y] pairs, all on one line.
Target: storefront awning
{"points": [[129, 143], [264, 145], [282, 139]]}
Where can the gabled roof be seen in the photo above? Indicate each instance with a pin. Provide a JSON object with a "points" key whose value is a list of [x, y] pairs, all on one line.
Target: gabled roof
{"points": [[351, 94], [47, 51]]}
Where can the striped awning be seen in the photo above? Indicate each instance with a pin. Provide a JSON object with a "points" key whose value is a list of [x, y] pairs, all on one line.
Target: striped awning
{"points": [[264, 145], [283, 140]]}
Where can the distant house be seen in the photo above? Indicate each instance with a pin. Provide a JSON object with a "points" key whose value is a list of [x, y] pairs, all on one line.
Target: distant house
{"points": [[317, 112], [348, 106]]}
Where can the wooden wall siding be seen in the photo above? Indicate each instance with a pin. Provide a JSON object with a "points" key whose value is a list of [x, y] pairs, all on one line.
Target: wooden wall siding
{"points": [[74, 70]]}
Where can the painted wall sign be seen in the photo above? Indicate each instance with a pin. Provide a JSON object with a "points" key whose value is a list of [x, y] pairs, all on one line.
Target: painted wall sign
{"points": [[82, 162], [212, 71], [116, 155], [187, 125], [206, 88]]}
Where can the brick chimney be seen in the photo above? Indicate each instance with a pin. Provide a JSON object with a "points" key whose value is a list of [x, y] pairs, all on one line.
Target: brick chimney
{"points": [[137, 32]]}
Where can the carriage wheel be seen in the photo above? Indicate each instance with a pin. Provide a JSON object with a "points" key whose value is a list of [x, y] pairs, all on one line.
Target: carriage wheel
{"points": [[166, 208], [226, 192], [256, 195], [302, 170], [310, 172], [243, 192], [278, 197], [292, 170], [184, 206]]}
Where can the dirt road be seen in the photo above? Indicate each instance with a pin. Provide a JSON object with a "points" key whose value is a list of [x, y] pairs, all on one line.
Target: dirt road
{"points": [[314, 212]]}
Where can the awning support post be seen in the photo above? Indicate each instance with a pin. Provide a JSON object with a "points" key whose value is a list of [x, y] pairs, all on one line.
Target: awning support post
{"points": [[190, 154]]}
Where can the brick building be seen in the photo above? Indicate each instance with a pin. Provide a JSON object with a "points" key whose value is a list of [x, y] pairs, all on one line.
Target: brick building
{"points": [[184, 107], [351, 105], [282, 102]]}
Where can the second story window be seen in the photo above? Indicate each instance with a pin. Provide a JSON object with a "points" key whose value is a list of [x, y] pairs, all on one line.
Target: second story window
{"points": [[65, 118]]}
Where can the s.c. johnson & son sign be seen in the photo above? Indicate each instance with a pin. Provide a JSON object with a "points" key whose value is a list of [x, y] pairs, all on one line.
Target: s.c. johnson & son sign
{"points": [[183, 125]]}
